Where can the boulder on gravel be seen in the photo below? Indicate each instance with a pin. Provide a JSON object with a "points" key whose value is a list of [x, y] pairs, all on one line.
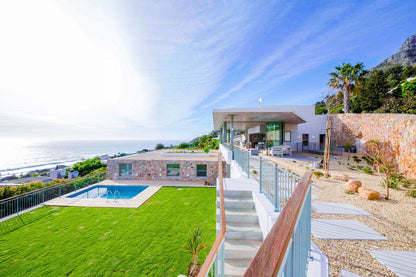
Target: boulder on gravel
{"points": [[352, 185], [340, 176], [368, 194]]}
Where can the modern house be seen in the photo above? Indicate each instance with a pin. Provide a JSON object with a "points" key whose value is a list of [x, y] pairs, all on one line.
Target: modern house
{"points": [[296, 126]]}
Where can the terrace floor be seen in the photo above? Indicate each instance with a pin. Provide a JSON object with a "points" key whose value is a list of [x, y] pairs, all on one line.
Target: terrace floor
{"points": [[80, 241]]}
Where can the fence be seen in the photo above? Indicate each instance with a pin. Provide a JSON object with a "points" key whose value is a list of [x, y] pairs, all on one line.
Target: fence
{"points": [[26, 201], [285, 250], [276, 183]]}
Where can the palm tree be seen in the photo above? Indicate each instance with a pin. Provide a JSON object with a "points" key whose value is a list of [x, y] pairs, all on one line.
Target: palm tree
{"points": [[345, 78]]}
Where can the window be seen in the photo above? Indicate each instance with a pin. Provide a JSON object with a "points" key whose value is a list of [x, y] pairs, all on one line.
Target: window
{"points": [[125, 170], [201, 170], [172, 170], [273, 133], [288, 136]]}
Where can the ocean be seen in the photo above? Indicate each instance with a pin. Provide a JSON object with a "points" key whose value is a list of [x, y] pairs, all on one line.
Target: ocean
{"points": [[17, 157]]}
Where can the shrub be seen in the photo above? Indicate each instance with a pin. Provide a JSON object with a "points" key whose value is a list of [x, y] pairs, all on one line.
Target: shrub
{"points": [[87, 166], [318, 174], [254, 171], [367, 170], [349, 192], [183, 145], [159, 146], [411, 193]]}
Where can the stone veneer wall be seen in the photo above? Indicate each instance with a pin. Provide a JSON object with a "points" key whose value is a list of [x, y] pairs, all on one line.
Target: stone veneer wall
{"points": [[157, 170], [397, 129]]}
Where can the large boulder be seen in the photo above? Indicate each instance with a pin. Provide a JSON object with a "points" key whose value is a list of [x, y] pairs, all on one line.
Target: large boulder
{"points": [[352, 185], [340, 176], [368, 194]]}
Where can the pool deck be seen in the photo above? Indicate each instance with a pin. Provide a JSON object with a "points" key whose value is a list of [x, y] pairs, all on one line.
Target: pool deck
{"points": [[135, 202]]}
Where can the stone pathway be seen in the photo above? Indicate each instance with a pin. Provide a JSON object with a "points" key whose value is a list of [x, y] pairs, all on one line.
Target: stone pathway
{"points": [[401, 263], [337, 208]]}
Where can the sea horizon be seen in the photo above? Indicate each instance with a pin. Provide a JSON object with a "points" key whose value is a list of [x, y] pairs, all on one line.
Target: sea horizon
{"points": [[22, 156]]}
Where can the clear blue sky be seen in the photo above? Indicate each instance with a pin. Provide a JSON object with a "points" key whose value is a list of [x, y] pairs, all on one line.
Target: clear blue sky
{"points": [[156, 69]]}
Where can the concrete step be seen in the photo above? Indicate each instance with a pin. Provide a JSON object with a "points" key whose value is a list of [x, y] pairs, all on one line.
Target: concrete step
{"points": [[243, 231], [239, 216], [235, 203], [240, 194], [241, 249], [235, 267]]}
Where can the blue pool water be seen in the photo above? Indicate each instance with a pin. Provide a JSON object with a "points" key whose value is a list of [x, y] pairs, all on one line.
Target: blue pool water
{"points": [[110, 192]]}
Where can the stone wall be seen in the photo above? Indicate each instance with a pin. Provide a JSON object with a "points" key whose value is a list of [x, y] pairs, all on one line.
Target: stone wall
{"points": [[398, 130], [157, 170]]}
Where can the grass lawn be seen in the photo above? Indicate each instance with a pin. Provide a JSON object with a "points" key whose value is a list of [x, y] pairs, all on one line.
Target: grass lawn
{"points": [[149, 240]]}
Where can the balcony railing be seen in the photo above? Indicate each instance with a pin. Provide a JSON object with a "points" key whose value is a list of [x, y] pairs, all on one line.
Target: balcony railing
{"points": [[276, 183], [214, 263], [242, 157], [285, 250], [30, 200]]}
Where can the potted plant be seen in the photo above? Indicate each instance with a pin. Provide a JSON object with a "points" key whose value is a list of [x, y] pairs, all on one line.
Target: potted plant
{"points": [[193, 246]]}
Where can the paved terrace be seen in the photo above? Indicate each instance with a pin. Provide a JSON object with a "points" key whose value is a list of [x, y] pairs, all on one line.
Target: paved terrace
{"points": [[158, 156]]}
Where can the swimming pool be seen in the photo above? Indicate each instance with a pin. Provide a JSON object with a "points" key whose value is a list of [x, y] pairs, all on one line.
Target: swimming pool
{"points": [[109, 192]]}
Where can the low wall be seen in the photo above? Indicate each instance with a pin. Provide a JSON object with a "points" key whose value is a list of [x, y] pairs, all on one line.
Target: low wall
{"points": [[399, 130]]}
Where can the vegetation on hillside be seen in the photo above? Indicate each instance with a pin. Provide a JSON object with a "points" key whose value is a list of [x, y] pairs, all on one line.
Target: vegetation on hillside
{"points": [[204, 142], [87, 166], [384, 90]]}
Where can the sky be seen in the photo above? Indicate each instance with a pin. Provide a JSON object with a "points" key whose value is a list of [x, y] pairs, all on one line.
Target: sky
{"points": [[156, 69]]}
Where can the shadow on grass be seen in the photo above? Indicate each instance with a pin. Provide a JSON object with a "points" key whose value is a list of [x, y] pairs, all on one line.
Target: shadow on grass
{"points": [[25, 219]]}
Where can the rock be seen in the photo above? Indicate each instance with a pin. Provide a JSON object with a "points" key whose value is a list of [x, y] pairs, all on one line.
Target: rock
{"points": [[340, 176], [368, 194], [352, 185]]}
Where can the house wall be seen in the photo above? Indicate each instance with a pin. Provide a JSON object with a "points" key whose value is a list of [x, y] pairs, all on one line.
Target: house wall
{"points": [[314, 126], [157, 170], [398, 130]]}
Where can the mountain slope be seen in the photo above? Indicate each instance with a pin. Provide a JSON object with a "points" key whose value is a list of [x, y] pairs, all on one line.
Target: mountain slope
{"points": [[405, 56]]}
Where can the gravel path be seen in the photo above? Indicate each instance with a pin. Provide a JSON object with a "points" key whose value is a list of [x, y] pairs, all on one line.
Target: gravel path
{"points": [[394, 218]]}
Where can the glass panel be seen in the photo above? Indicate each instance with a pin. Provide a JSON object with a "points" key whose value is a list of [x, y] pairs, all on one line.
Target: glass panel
{"points": [[201, 170], [273, 134], [172, 170], [125, 169], [288, 136]]}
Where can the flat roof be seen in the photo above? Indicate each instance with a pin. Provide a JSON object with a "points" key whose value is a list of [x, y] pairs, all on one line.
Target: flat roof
{"points": [[245, 118], [157, 156]]}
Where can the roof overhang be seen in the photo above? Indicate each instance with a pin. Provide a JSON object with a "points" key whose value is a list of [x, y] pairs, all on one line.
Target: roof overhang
{"points": [[245, 118]]}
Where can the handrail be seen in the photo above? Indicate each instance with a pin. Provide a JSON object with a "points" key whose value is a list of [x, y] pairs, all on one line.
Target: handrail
{"points": [[271, 254], [220, 238]]}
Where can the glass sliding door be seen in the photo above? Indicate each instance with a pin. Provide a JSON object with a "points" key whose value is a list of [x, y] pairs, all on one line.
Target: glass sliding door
{"points": [[273, 135]]}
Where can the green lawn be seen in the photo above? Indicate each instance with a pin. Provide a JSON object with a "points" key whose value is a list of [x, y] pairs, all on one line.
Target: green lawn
{"points": [[109, 241]]}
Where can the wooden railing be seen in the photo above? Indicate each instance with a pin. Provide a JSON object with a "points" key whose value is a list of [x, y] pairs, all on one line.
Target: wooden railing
{"points": [[216, 251], [285, 249]]}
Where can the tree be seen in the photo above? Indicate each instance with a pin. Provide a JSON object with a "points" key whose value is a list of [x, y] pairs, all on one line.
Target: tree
{"points": [[346, 78], [383, 161]]}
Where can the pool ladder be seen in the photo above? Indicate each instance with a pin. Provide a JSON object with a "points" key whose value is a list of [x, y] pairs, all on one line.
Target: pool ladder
{"points": [[113, 193]]}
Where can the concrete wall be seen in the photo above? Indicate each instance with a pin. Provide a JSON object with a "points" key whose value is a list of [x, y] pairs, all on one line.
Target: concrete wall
{"points": [[398, 130], [157, 170]]}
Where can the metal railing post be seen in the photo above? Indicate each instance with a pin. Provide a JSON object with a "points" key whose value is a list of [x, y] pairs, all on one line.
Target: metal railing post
{"points": [[275, 189], [261, 174], [248, 164], [43, 197], [17, 199], [60, 190]]}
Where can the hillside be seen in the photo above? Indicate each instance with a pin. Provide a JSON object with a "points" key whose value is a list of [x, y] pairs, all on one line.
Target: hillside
{"points": [[405, 56]]}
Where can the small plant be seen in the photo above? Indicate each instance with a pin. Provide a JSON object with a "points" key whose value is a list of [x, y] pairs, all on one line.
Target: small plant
{"points": [[368, 159], [349, 192], [411, 193], [206, 149], [367, 170], [356, 159], [294, 161], [254, 171], [318, 174], [193, 246]]}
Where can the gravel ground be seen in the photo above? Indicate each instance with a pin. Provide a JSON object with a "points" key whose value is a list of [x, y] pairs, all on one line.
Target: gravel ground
{"points": [[394, 219]]}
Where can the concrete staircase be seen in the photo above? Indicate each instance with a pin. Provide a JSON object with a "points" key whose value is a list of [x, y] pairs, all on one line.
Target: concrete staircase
{"points": [[244, 236]]}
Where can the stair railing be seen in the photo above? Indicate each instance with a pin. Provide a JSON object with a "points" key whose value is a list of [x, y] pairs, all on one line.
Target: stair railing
{"points": [[214, 263]]}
